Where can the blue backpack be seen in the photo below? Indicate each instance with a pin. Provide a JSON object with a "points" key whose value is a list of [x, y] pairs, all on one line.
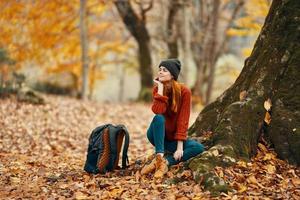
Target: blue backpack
{"points": [[105, 143]]}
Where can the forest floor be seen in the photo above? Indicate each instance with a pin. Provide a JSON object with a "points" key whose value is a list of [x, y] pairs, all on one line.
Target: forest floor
{"points": [[43, 150]]}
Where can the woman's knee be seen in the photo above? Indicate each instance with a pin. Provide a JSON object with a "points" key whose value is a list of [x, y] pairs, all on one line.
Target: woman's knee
{"points": [[195, 146], [159, 119], [199, 148], [150, 136]]}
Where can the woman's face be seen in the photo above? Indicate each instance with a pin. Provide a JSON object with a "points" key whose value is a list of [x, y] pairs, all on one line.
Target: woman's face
{"points": [[164, 75]]}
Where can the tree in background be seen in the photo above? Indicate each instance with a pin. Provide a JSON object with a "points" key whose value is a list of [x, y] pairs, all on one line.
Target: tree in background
{"points": [[238, 120], [172, 28], [136, 25], [5, 68], [84, 48], [47, 34], [250, 22], [209, 40]]}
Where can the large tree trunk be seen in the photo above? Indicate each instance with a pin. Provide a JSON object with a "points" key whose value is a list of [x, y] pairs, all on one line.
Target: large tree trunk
{"points": [[137, 27], [272, 71]]}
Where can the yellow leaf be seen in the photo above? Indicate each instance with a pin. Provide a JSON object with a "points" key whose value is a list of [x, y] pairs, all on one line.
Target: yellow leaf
{"points": [[252, 179], [270, 169], [269, 156], [116, 192], [268, 104], [246, 52], [242, 188], [80, 195], [182, 198], [215, 152], [267, 118], [15, 180], [186, 173], [262, 147], [242, 164], [284, 183]]}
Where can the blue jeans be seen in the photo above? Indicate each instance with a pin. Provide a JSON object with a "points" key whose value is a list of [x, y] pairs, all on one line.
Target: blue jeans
{"points": [[156, 135]]}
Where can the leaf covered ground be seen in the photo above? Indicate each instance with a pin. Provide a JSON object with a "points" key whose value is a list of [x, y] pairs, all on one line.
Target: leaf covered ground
{"points": [[43, 149]]}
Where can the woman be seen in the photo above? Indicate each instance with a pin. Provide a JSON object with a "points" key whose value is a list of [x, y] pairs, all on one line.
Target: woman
{"points": [[168, 129]]}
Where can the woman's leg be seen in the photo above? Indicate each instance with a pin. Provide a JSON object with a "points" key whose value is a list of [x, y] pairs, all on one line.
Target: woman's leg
{"points": [[191, 148], [156, 133]]}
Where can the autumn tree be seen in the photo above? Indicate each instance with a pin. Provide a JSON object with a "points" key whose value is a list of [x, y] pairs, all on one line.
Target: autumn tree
{"points": [[172, 30], [236, 117], [178, 32], [207, 43], [47, 34], [5, 63], [136, 25], [84, 48]]}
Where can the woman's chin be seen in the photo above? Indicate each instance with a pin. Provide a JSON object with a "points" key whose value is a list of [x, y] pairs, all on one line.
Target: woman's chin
{"points": [[164, 80]]}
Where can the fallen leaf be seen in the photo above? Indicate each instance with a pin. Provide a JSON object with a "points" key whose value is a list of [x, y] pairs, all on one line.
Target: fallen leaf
{"points": [[137, 176], [15, 180], [80, 196], [242, 188], [215, 152], [296, 181], [271, 169], [252, 179], [262, 147], [268, 104], [182, 198]]}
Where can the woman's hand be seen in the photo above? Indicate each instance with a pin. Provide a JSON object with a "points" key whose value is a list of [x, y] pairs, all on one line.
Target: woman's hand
{"points": [[160, 86], [178, 154]]}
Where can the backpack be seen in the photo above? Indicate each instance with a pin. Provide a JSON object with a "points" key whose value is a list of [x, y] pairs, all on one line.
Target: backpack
{"points": [[104, 147]]}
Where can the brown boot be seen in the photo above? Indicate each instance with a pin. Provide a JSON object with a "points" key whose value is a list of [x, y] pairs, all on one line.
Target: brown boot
{"points": [[161, 166], [149, 168]]}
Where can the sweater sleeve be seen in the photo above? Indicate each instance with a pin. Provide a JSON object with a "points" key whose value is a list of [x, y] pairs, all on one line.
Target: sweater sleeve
{"points": [[184, 116], [160, 102]]}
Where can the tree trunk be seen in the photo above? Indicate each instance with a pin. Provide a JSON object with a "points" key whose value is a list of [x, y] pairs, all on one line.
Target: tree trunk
{"points": [[172, 35], [272, 71], [206, 45], [186, 40], [212, 50], [84, 49], [137, 27], [204, 51]]}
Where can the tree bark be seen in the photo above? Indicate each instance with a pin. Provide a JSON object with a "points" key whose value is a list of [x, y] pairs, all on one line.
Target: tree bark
{"points": [[84, 49], [272, 71], [137, 27]]}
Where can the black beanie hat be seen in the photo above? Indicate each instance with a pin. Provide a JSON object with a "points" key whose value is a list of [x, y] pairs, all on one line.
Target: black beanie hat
{"points": [[173, 65]]}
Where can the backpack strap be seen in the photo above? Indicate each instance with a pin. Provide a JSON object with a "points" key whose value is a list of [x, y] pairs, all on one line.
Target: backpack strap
{"points": [[125, 160]]}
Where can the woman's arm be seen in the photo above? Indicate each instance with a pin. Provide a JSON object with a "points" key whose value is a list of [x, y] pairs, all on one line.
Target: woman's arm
{"points": [[160, 102], [184, 116], [160, 87]]}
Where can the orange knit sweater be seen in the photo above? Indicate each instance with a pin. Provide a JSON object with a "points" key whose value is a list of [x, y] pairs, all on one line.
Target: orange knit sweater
{"points": [[176, 124]]}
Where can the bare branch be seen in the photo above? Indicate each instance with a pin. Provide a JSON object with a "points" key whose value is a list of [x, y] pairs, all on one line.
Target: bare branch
{"points": [[233, 17], [145, 10]]}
